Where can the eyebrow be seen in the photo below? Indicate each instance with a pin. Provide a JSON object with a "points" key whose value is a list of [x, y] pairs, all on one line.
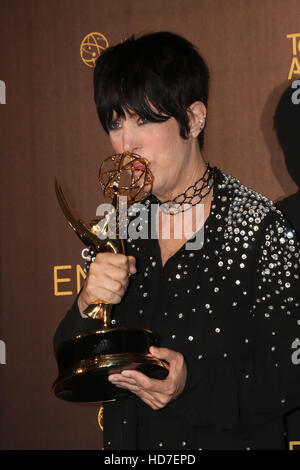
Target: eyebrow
{"points": [[131, 114]]}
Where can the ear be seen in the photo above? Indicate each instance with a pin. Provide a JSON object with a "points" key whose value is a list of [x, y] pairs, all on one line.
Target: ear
{"points": [[197, 116]]}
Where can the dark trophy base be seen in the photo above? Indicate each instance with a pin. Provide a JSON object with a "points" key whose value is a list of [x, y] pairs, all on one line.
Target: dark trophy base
{"points": [[86, 361]]}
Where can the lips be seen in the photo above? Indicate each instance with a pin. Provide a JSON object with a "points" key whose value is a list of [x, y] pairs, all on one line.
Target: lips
{"points": [[138, 166]]}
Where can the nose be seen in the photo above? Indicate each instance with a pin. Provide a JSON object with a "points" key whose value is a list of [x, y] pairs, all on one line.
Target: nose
{"points": [[130, 139]]}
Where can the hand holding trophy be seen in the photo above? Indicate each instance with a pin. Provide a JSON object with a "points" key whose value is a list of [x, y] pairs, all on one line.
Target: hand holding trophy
{"points": [[84, 362]]}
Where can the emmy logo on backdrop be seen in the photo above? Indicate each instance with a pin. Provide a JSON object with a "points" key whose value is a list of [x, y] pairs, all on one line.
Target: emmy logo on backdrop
{"points": [[84, 362], [91, 47]]}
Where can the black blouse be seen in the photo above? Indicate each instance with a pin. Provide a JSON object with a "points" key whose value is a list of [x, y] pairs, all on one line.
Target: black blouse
{"points": [[232, 309]]}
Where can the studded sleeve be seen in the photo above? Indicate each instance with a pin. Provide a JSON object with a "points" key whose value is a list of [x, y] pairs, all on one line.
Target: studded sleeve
{"points": [[275, 312]]}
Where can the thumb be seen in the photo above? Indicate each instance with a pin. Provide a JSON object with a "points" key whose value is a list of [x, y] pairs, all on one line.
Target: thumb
{"points": [[163, 353], [132, 264]]}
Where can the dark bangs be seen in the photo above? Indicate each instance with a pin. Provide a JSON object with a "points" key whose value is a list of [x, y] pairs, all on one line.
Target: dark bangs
{"points": [[153, 76], [126, 91]]}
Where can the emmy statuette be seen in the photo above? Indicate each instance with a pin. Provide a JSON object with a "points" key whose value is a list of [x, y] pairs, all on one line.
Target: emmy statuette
{"points": [[86, 361]]}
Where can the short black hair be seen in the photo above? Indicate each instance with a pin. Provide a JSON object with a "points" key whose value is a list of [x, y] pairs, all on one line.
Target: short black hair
{"points": [[160, 72]]}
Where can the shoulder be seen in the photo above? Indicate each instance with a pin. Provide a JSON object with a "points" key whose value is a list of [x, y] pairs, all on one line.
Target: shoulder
{"points": [[249, 210]]}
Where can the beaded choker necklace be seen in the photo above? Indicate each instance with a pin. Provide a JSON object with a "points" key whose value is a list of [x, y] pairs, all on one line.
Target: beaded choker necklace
{"points": [[192, 196]]}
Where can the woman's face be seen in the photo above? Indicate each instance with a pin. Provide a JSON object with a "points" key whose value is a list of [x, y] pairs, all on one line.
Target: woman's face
{"points": [[160, 143]]}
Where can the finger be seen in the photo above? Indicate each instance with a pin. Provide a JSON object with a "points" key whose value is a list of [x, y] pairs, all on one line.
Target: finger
{"points": [[165, 353], [115, 259], [123, 382], [156, 400], [121, 261], [95, 284], [128, 386], [149, 398], [118, 378], [132, 264], [135, 386], [146, 383], [100, 273], [104, 295], [112, 285], [174, 358]]}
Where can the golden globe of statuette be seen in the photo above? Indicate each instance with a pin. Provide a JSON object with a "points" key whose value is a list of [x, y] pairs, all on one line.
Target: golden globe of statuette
{"points": [[91, 47], [86, 361], [120, 170]]}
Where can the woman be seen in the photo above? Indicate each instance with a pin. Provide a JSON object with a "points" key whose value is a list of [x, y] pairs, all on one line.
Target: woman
{"points": [[228, 313]]}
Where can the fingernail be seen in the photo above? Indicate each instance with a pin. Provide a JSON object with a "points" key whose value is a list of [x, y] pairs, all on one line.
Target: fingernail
{"points": [[126, 373], [112, 379]]}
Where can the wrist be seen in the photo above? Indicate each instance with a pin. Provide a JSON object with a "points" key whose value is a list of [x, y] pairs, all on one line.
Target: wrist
{"points": [[82, 305]]}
